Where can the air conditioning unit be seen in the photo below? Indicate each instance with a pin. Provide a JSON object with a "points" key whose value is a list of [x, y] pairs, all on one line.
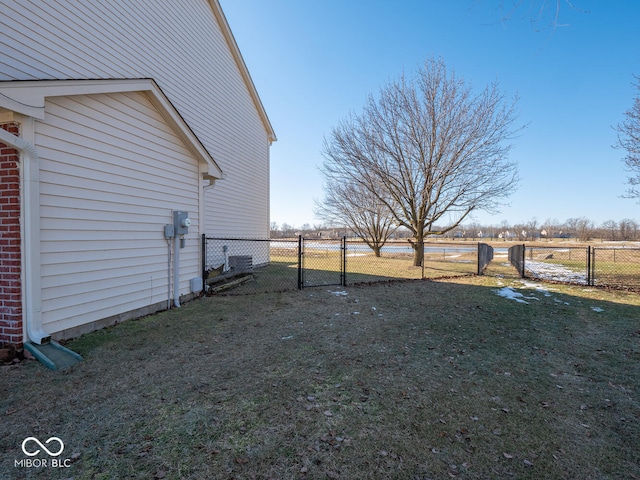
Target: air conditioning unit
{"points": [[240, 263]]}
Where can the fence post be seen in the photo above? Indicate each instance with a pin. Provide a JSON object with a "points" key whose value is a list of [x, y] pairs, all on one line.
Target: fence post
{"points": [[300, 274], [524, 251], [204, 263], [343, 269]]}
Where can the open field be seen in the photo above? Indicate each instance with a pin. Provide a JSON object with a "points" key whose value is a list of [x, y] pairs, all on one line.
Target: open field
{"points": [[408, 380]]}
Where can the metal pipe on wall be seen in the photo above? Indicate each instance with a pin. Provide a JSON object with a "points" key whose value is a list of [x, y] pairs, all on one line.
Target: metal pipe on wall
{"points": [[176, 271]]}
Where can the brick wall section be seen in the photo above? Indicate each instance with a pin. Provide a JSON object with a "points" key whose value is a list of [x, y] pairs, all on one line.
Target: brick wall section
{"points": [[10, 262]]}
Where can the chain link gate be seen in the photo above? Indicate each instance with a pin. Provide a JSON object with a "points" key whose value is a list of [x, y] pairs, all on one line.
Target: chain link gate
{"points": [[321, 262]]}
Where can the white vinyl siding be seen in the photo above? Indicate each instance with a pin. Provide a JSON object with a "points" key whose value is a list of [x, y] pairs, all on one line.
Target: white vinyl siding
{"points": [[180, 45], [111, 172]]}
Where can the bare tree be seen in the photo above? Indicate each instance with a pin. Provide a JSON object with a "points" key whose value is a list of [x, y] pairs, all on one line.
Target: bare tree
{"points": [[628, 229], [360, 210], [287, 230], [429, 149], [273, 228], [541, 13], [552, 228], [532, 228], [581, 228], [629, 140], [610, 228]]}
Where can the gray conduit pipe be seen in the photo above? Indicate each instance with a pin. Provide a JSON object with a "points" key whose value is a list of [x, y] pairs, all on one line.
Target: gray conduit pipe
{"points": [[168, 273], [176, 271]]}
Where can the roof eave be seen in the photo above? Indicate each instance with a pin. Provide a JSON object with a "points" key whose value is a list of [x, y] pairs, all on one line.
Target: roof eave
{"points": [[28, 98]]}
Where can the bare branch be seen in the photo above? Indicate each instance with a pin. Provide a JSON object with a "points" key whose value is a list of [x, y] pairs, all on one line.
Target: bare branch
{"points": [[629, 140], [542, 14]]}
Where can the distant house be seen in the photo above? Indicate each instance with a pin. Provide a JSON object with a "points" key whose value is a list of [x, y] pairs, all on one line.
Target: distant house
{"points": [[113, 116]]}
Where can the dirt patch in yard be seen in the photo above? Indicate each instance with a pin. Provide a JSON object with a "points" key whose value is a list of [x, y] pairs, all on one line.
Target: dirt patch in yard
{"points": [[408, 380]]}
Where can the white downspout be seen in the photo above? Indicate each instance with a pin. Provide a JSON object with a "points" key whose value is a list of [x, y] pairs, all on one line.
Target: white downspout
{"points": [[30, 234]]}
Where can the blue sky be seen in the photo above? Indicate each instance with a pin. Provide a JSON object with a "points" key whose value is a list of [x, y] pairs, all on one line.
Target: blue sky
{"points": [[315, 61]]}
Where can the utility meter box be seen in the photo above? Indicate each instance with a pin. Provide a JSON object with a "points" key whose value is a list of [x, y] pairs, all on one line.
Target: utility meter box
{"points": [[181, 222]]}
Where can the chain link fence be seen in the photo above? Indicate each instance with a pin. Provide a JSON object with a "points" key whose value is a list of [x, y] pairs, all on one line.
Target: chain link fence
{"points": [[249, 265], [485, 255], [617, 267], [397, 261], [243, 266]]}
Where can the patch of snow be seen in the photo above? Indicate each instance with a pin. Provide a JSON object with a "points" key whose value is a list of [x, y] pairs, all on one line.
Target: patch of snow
{"points": [[597, 309], [551, 271], [338, 294], [511, 294], [536, 286]]}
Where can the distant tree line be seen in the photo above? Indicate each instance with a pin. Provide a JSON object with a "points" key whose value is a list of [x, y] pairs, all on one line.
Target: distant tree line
{"points": [[579, 229]]}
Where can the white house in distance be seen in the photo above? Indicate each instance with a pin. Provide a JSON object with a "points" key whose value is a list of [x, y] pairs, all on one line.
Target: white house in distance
{"points": [[113, 116]]}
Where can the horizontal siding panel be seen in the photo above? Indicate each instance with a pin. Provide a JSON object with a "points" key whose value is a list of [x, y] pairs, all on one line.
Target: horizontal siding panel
{"points": [[74, 274], [119, 190], [95, 281], [75, 250], [97, 131], [77, 231], [104, 182], [66, 263], [149, 210], [128, 293], [44, 24], [144, 125], [86, 256], [111, 303]]}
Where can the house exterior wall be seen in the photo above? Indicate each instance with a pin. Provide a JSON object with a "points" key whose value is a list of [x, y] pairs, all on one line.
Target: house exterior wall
{"points": [[10, 260], [182, 47], [111, 173], [110, 170]]}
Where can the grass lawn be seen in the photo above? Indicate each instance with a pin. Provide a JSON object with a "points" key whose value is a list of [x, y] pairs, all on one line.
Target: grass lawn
{"points": [[407, 380], [323, 268]]}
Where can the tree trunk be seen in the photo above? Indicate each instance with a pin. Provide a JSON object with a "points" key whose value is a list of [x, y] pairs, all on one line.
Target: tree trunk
{"points": [[418, 251], [376, 250]]}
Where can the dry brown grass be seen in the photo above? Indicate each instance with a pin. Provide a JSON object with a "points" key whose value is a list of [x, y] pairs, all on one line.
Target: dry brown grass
{"points": [[410, 380]]}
